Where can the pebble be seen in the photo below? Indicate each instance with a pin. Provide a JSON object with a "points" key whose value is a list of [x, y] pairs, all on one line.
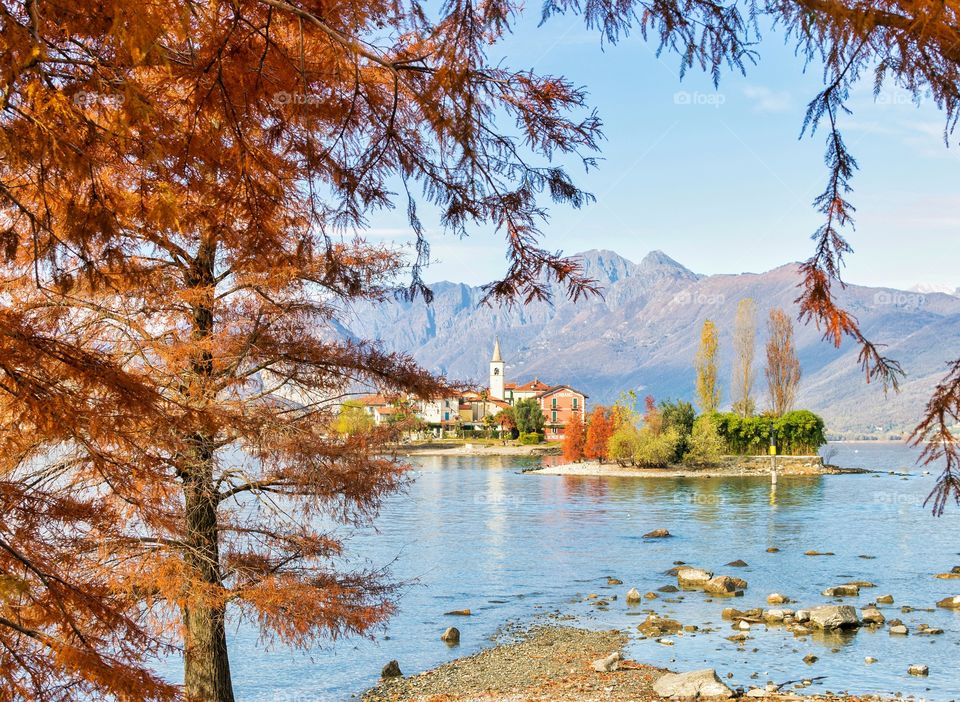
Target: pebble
{"points": [[869, 660], [918, 669], [809, 659]]}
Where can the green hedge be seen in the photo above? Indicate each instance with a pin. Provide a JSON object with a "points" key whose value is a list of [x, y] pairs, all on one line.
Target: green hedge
{"points": [[800, 432], [531, 438]]}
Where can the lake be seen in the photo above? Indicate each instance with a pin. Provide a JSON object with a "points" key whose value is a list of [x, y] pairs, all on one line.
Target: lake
{"points": [[477, 533]]}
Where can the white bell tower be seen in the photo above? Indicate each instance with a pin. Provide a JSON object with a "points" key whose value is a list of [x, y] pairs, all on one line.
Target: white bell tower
{"points": [[497, 369]]}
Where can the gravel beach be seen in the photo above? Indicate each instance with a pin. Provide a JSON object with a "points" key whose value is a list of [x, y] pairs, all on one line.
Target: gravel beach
{"points": [[549, 664]]}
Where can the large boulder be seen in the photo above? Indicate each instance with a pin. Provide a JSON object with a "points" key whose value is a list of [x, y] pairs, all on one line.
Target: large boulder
{"points": [[693, 577], [834, 617], [697, 684]]}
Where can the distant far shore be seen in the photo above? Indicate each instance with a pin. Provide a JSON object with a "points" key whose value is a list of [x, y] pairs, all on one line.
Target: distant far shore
{"points": [[478, 448]]}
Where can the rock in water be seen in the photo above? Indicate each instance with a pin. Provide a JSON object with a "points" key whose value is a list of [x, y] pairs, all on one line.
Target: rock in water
{"points": [[608, 664], [657, 534], [842, 591], [451, 635], [918, 669], [810, 659], [614, 581], [950, 602], [737, 564], [899, 630], [720, 585], [391, 670], [697, 684], [777, 598], [885, 599], [693, 577], [834, 617], [458, 613], [872, 615], [633, 596]]}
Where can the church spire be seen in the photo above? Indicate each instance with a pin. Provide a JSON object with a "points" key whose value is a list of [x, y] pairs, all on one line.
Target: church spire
{"points": [[496, 352]]}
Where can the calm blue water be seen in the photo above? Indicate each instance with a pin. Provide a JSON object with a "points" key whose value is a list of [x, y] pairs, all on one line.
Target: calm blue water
{"points": [[478, 534]]}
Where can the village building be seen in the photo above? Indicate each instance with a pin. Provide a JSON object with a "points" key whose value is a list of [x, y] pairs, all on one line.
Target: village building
{"points": [[557, 402], [474, 410]]}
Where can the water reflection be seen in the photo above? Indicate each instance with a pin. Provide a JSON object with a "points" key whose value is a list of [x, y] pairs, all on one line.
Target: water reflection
{"points": [[479, 534]]}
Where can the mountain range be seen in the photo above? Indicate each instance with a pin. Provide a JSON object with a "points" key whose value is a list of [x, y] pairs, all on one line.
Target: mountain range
{"points": [[642, 334]]}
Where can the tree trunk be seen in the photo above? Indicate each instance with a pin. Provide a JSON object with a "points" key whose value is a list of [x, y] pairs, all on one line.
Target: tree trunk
{"points": [[206, 674]]}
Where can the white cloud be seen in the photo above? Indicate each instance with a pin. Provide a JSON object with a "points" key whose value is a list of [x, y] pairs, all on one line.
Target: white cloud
{"points": [[767, 100]]}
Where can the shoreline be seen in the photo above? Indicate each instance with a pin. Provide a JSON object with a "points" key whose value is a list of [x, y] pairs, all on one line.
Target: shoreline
{"points": [[470, 449], [555, 663], [742, 466]]}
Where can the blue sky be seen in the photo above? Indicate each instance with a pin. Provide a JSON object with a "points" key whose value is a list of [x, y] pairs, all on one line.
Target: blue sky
{"points": [[717, 178]]}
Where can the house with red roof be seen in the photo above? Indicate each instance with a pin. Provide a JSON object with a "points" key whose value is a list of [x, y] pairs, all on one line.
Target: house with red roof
{"points": [[557, 402]]}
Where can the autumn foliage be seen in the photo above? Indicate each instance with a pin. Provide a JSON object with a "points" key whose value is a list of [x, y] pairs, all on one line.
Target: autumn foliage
{"points": [[574, 439], [181, 187], [603, 423]]}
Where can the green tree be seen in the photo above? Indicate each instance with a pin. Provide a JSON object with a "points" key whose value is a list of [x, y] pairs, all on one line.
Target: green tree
{"points": [[708, 392], [706, 445], [529, 416], [353, 419], [679, 415]]}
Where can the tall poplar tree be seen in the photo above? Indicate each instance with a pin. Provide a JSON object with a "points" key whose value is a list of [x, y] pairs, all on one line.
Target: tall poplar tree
{"points": [[708, 391]]}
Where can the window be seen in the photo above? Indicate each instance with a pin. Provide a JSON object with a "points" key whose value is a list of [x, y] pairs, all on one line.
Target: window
{"points": [[575, 403], [496, 371], [553, 415], [554, 404]]}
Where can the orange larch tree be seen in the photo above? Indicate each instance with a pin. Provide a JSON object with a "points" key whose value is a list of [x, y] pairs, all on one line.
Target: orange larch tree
{"points": [[180, 187], [176, 181], [574, 439], [599, 430]]}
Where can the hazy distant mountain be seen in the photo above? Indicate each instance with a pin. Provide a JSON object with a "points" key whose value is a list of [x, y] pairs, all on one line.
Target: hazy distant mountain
{"points": [[643, 333], [925, 288]]}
